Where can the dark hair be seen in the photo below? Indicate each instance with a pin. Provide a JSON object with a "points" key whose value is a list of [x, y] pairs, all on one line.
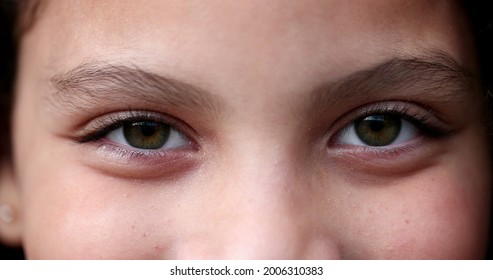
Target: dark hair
{"points": [[8, 56], [8, 49], [481, 18], [13, 15]]}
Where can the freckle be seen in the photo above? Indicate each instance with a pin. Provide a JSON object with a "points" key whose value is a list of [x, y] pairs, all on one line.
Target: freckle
{"points": [[407, 221], [133, 227], [145, 234]]}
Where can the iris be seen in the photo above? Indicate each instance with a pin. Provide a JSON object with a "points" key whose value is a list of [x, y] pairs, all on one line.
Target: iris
{"points": [[146, 135], [378, 130]]}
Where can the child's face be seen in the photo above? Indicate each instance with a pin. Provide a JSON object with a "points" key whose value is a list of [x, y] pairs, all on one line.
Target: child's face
{"points": [[299, 129]]}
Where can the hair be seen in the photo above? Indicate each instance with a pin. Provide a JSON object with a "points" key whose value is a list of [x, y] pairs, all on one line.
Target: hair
{"points": [[17, 16], [481, 19], [7, 72]]}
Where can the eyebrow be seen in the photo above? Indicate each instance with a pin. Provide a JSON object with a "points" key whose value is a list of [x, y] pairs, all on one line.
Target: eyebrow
{"points": [[435, 77], [97, 81]]}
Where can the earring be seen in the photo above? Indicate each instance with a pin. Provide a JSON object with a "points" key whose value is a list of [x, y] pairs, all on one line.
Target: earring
{"points": [[6, 213]]}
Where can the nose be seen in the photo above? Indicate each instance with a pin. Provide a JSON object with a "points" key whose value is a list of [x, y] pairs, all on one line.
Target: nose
{"points": [[267, 211], [276, 228]]}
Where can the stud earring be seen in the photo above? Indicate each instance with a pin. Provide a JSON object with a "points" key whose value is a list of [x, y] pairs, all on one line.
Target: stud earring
{"points": [[6, 213]]}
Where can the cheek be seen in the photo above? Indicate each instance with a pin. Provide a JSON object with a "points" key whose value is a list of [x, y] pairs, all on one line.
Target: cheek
{"points": [[450, 217], [441, 213], [75, 213], [70, 211]]}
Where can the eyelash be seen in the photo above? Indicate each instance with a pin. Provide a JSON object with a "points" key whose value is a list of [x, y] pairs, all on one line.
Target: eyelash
{"points": [[423, 118], [101, 128]]}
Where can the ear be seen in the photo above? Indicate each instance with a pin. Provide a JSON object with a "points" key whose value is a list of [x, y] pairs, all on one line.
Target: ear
{"points": [[10, 215]]}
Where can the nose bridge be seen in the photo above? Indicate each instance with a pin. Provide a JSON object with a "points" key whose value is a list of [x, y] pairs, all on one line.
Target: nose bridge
{"points": [[264, 171], [263, 225], [272, 219], [267, 216]]}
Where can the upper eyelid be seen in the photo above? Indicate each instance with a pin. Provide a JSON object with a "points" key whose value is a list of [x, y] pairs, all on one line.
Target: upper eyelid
{"points": [[98, 128], [389, 106], [419, 113]]}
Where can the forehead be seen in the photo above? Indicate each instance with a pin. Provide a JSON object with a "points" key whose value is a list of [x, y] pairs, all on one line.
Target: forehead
{"points": [[191, 36]]}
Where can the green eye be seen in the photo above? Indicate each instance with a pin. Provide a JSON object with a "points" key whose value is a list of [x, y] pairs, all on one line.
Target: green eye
{"points": [[378, 130], [146, 135]]}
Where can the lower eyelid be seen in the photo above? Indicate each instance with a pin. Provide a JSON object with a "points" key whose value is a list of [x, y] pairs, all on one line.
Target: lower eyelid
{"points": [[123, 153], [417, 154], [120, 162]]}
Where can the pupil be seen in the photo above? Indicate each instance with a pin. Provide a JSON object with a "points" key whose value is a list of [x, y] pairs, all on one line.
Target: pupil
{"points": [[376, 124], [148, 129]]}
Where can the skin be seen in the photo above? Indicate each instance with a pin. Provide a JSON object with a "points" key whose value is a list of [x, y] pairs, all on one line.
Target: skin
{"points": [[264, 176]]}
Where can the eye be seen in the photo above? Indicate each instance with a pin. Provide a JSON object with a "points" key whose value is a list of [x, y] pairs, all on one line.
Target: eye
{"points": [[148, 135], [378, 130]]}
